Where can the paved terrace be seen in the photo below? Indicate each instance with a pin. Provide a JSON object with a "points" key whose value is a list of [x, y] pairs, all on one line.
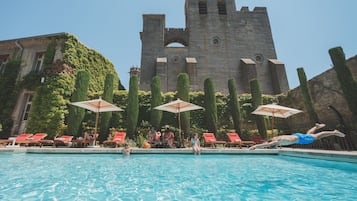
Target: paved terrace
{"points": [[342, 156]]}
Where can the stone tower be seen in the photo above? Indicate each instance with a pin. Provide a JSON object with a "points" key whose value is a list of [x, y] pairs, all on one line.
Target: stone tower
{"points": [[218, 42]]}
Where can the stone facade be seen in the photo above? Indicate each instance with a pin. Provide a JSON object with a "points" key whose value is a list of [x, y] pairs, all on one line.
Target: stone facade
{"points": [[325, 92], [218, 42]]}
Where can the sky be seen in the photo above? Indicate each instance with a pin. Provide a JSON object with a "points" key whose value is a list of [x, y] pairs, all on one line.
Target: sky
{"points": [[303, 30]]}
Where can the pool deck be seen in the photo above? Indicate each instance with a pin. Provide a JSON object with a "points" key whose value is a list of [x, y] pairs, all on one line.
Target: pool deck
{"points": [[342, 156]]}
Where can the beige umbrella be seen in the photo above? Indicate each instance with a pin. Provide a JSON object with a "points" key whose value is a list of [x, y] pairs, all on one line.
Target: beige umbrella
{"points": [[97, 105], [177, 107], [275, 110]]}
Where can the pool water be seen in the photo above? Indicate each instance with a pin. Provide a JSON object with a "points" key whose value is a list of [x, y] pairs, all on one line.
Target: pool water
{"points": [[173, 177]]}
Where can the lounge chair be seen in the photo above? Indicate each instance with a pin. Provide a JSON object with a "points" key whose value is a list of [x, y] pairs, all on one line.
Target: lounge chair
{"points": [[64, 140], [118, 139], [37, 139], [235, 140], [12, 141], [210, 139], [257, 139]]}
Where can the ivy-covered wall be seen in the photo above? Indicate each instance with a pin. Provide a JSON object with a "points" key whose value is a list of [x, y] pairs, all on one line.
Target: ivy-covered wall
{"points": [[50, 103], [79, 56]]}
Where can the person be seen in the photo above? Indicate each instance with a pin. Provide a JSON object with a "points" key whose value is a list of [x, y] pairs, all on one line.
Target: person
{"points": [[126, 150], [299, 138], [168, 138], [195, 142], [154, 136]]}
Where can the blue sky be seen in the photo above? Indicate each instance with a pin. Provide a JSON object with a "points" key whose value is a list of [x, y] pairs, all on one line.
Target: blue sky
{"points": [[303, 30]]}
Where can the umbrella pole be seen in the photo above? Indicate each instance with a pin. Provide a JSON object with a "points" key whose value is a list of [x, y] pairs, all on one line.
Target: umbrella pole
{"points": [[96, 127], [179, 120], [272, 125]]}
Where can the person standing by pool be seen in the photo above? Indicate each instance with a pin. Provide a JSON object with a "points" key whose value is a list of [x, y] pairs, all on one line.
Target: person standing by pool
{"points": [[195, 142], [299, 138]]}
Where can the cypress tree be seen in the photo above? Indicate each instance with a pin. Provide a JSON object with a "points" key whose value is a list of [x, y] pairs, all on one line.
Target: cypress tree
{"points": [[183, 93], [76, 114], [234, 106], [256, 101], [156, 100], [132, 107], [347, 82], [106, 116], [307, 97], [210, 106]]}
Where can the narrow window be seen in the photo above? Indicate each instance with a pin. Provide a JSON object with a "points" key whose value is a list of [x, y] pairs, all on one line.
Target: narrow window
{"points": [[39, 57], [202, 8], [3, 60], [222, 10], [27, 107]]}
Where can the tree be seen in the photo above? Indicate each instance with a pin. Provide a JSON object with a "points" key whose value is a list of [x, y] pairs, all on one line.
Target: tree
{"points": [[234, 107], [256, 101], [347, 82], [210, 106], [156, 100], [76, 114], [133, 107], [106, 116], [183, 93], [307, 97]]}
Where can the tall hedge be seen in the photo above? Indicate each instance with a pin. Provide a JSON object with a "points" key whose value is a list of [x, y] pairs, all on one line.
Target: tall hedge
{"points": [[348, 83], [156, 100], [132, 107], [8, 93], [105, 117], [233, 103], [183, 93], [307, 97], [76, 114], [256, 102], [210, 106]]}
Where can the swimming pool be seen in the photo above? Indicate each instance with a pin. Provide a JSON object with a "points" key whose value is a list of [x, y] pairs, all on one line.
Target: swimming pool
{"points": [[173, 177]]}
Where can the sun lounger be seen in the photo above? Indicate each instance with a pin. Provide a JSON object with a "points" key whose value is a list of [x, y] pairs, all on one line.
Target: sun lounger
{"points": [[12, 141], [235, 140], [211, 140], [118, 139], [37, 139], [64, 140]]}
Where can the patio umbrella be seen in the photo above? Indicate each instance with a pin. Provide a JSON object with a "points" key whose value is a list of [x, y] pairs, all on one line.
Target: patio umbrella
{"points": [[177, 107], [275, 110], [97, 105]]}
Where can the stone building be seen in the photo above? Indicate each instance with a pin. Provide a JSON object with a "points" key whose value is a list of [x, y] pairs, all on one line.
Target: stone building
{"points": [[69, 56], [218, 42]]}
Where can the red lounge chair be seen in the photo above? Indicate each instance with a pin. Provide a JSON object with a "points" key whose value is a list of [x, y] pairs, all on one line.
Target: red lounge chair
{"points": [[64, 140], [37, 139], [257, 139], [16, 139], [210, 139], [236, 140], [118, 139]]}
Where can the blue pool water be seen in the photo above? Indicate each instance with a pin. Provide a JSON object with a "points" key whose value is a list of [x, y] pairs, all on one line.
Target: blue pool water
{"points": [[173, 177]]}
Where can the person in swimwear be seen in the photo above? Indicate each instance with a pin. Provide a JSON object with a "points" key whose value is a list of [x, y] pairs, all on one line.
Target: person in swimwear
{"points": [[195, 142], [299, 138]]}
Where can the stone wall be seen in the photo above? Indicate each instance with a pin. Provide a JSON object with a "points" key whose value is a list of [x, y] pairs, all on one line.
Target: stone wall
{"points": [[325, 92]]}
